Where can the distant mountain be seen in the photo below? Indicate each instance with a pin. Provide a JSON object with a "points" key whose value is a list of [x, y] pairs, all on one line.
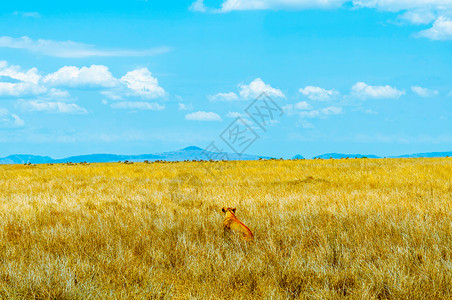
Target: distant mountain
{"points": [[196, 153], [340, 155], [188, 153], [426, 154], [103, 158], [25, 158]]}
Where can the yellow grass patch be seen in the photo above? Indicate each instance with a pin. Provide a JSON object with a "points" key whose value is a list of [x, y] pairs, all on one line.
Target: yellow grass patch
{"points": [[360, 228]]}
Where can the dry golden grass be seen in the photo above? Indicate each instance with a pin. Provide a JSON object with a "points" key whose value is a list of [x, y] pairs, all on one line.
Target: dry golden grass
{"points": [[324, 229]]}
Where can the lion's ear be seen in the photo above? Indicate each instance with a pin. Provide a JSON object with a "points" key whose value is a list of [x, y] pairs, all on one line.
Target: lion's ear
{"points": [[223, 209], [233, 210]]}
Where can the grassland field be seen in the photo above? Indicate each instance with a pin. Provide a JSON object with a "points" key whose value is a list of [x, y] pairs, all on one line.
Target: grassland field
{"points": [[324, 229]]}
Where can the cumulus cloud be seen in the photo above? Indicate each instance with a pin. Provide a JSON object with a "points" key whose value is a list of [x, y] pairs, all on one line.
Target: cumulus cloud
{"points": [[424, 92], [183, 106], [234, 114], [198, 6], [137, 105], [304, 110], [441, 30], [25, 83], [302, 105], [256, 88], [72, 49], [330, 110], [9, 120], [318, 93], [293, 108], [418, 17], [15, 72], [364, 91], [54, 93], [231, 96], [383, 5], [71, 76], [141, 83], [20, 89], [27, 14], [249, 91], [399, 5], [412, 11], [138, 83], [203, 116], [51, 107], [231, 5]]}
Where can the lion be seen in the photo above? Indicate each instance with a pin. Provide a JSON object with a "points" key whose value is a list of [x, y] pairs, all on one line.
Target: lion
{"points": [[232, 223]]}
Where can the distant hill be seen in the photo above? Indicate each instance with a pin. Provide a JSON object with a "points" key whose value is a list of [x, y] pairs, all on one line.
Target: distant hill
{"points": [[107, 158], [426, 154], [196, 153], [340, 155], [188, 153], [24, 158]]}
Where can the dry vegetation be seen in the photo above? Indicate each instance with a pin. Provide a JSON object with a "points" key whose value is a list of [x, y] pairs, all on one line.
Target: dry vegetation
{"points": [[360, 228]]}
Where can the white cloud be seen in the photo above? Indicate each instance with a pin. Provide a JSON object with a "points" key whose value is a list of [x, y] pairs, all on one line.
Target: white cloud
{"points": [[418, 17], [113, 95], [364, 91], [318, 93], [256, 88], [20, 89], [138, 105], [330, 110], [72, 49], [198, 6], [137, 83], [249, 91], [292, 109], [382, 5], [71, 76], [413, 11], [244, 118], [305, 124], [203, 116], [9, 120], [51, 107], [28, 83], [183, 106], [140, 82], [231, 96], [400, 5], [27, 14], [304, 110], [441, 30], [15, 72], [231, 5], [234, 114], [302, 105], [54, 93], [424, 92]]}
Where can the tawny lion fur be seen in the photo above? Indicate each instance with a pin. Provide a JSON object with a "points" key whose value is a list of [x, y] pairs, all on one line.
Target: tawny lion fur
{"points": [[232, 223]]}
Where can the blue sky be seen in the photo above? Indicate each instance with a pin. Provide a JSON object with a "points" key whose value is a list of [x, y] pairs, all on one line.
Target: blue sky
{"points": [[131, 77]]}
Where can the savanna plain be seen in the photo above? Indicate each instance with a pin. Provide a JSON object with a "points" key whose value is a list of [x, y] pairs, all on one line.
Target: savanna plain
{"points": [[324, 229]]}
